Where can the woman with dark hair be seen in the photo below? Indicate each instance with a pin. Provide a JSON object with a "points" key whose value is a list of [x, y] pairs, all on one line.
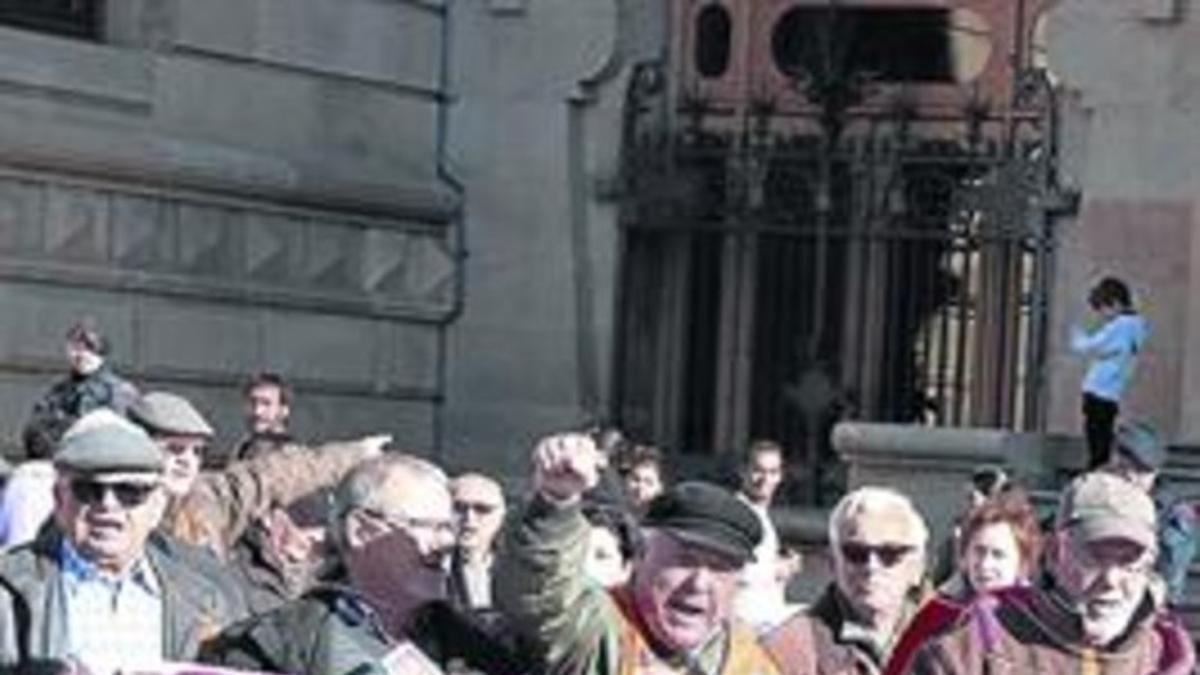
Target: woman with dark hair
{"points": [[1111, 348], [999, 545]]}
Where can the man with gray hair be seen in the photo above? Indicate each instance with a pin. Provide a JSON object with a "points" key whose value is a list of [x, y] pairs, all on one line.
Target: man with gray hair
{"points": [[878, 541], [381, 605], [1096, 616]]}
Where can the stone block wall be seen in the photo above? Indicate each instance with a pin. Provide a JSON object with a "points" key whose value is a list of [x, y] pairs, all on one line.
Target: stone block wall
{"points": [[228, 187]]}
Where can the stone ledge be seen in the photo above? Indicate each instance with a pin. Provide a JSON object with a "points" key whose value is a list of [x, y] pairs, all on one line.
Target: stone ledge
{"points": [[80, 72]]}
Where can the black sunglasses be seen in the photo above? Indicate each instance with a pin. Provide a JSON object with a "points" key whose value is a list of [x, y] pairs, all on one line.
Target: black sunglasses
{"points": [[887, 554], [128, 495]]}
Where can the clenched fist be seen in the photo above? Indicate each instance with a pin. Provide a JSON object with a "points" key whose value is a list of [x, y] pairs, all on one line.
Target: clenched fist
{"points": [[566, 465]]}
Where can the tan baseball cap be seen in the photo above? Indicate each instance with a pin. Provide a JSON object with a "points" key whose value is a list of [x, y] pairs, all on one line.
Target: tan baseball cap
{"points": [[1099, 505]]}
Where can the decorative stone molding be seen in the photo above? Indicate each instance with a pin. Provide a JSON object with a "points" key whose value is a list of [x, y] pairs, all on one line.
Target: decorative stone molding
{"points": [[169, 242]]}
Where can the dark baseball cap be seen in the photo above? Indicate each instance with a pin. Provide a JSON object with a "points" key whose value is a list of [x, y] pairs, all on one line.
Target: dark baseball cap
{"points": [[707, 516]]}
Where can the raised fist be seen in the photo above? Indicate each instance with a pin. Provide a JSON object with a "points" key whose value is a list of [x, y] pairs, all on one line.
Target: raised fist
{"points": [[565, 466]]}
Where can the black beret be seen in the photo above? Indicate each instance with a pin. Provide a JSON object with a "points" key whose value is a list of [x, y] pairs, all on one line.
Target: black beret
{"points": [[707, 516]]}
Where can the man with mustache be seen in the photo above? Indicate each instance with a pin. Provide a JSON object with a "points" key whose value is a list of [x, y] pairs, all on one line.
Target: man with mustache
{"points": [[99, 587], [1098, 614], [674, 615], [877, 539], [384, 599]]}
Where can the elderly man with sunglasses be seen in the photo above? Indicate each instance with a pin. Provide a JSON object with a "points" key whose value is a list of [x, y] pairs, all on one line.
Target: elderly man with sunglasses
{"points": [[99, 587], [878, 542], [381, 606], [479, 506], [674, 615]]}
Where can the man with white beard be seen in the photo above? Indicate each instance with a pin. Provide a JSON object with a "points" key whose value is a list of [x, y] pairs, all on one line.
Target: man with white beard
{"points": [[1097, 616]]}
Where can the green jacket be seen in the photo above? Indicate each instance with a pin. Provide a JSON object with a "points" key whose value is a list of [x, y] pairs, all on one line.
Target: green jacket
{"points": [[330, 631], [198, 599], [576, 626]]}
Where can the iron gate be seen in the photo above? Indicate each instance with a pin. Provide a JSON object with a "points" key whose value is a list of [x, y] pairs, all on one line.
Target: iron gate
{"points": [[781, 272]]}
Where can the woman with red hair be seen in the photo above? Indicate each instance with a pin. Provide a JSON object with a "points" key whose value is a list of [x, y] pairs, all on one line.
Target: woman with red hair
{"points": [[999, 545]]}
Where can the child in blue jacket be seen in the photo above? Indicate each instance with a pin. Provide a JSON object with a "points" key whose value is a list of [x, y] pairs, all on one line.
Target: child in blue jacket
{"points": [[1112, 350]]}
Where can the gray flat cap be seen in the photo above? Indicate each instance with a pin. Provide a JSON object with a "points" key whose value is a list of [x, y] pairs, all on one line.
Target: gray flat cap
{"points": [[159, 412], [108, 445]]}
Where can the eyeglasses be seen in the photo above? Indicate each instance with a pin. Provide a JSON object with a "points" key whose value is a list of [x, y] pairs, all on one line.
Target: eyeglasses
{"points": [[406, 523], [181, 447], [478, 508], [888, 555], [128, 495]]}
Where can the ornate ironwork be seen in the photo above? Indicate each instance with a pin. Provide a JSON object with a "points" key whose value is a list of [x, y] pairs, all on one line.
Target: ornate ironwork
{"points": [[854, 258]]}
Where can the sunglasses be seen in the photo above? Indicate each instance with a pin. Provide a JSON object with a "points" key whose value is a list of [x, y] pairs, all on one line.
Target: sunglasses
{"points": [[128, 495], [478, 508], [888, 555]]}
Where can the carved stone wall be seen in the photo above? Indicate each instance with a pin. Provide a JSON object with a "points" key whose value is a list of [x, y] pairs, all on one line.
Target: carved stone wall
{"points": [[228, 187]]}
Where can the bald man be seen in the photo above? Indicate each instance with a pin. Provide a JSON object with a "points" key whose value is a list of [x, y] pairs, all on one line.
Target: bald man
{"points": [[479, 507]]}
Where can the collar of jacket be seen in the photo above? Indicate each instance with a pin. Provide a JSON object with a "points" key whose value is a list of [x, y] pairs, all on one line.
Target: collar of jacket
{"points": [[834, 611], [1028, 610], [717, 644]]}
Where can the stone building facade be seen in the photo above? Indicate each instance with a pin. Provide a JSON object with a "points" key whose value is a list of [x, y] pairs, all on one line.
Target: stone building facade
{"points": [[227, 187], [230, 186], [419, 211]]}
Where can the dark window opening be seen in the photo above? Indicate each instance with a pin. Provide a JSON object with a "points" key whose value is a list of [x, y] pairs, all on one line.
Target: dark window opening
{"points": [[888, 44], [713, 32], [71, 18]]}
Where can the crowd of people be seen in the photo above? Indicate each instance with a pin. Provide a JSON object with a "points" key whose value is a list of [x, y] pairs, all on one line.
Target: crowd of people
{"points": [[131, 547]]}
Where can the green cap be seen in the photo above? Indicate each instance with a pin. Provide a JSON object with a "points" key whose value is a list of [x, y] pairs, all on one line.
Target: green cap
{"points": [[1139, 441], [104, 442], [160, 412]]}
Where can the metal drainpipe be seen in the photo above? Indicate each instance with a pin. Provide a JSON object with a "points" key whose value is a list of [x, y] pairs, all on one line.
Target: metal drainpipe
{"points": [[459, 252]]}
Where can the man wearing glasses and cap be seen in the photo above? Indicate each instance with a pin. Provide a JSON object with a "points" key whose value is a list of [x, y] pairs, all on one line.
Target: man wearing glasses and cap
{"points": [[878, 542], [99, 587], [674, 615], [1097, 616]]}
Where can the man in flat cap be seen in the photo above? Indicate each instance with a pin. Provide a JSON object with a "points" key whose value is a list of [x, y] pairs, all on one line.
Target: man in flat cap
{"points": [[673, 616], [214, 509], [878, 541], [90, 385], [1096, 616], [99, 587], [1138, 455]]}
